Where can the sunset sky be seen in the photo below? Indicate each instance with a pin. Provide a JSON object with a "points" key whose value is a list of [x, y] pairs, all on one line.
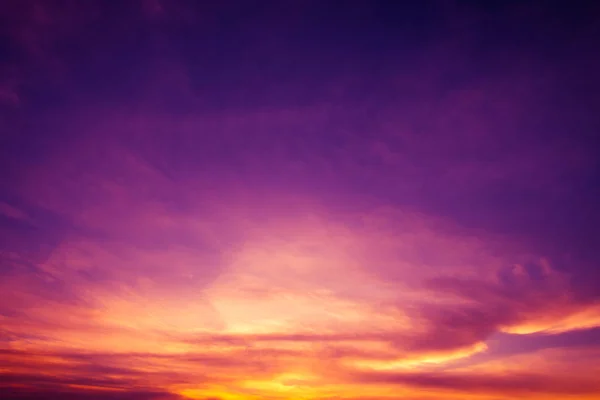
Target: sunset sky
{"points": [[299, 200]]}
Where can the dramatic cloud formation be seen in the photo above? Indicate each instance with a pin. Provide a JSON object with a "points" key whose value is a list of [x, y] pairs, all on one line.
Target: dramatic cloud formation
{"points": [[299, 200]]}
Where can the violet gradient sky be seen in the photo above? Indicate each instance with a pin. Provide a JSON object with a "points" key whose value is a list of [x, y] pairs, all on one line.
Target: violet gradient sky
{"points": [[359, 200]]}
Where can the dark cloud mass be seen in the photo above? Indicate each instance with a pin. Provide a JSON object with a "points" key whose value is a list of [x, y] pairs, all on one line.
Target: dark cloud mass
{"points": [[299, 199]]}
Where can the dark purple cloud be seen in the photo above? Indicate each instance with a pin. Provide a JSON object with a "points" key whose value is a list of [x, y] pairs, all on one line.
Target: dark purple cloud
{"points": [[498, 385]]}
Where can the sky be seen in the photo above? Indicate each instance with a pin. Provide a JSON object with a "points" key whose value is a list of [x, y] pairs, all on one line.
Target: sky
{"points": [[295, 199]]}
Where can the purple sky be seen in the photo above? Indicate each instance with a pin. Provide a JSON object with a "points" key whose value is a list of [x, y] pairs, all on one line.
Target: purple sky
{"points": [[299, 199]]}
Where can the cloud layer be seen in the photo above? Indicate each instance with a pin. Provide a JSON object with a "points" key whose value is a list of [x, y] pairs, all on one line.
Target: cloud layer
{"points": [[288, 200]]}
